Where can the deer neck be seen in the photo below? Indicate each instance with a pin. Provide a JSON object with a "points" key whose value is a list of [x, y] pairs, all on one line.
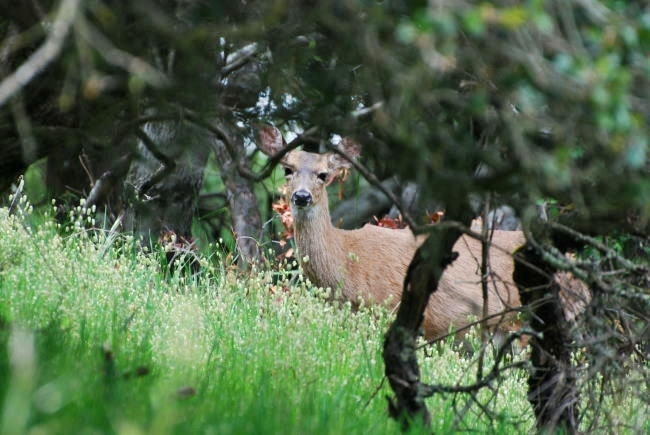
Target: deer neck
{"points": [[320, 248]]}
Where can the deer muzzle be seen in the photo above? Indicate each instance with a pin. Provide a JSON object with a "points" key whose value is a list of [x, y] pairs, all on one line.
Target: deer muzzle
{"points": [[301, 198]]}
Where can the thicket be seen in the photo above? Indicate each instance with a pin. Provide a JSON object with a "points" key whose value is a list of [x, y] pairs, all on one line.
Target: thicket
{"points": [[541, 106], [97, 335]]}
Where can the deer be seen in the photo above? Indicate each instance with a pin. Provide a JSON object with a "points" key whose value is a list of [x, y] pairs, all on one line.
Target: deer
{"points": [[368, 265]]}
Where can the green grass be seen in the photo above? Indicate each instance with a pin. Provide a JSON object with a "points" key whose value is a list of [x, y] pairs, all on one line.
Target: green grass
{"points": [[96, 337]]}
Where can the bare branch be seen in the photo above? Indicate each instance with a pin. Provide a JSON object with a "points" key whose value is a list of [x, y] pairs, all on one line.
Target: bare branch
{"points": [[496, 372], [45, 54], [127, 128], [372, 178], [168, 164], [456, 331], [121, 58], [356, 211], [366, 110], [600, 246], [243, 169], [106, 183], [240, 57], [485, 266]]}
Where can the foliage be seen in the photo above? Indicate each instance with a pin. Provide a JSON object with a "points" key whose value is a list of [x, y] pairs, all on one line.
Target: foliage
{"points": [[535, 103], [551, 97], [95, 336], [503, 103]]}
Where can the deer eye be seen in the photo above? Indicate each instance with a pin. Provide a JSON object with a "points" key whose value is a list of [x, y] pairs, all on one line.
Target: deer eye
{"points": [[323, 176], [287, 171]]}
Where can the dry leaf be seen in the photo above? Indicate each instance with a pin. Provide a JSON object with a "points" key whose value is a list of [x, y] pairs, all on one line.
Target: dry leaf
{"points": [[387, 222], [435, 217]]}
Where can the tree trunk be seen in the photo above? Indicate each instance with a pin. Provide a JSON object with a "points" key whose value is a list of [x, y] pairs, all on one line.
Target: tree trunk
{"points": [[162, 186], [402, 369], [552, 389], [246, 219]]}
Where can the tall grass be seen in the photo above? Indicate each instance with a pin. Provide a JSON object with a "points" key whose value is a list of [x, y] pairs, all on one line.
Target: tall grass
{"points": [[97, 336]]}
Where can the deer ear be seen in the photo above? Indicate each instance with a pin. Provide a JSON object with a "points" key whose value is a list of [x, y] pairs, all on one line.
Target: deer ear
{"points": [[270, 139], [351, 148]]}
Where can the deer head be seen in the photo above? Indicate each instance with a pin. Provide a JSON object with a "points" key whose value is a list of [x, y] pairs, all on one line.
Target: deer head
{"points": [[308, 174]]}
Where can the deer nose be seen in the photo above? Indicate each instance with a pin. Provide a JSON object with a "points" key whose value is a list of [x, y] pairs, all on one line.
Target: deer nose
{"points": [[301, 198]]}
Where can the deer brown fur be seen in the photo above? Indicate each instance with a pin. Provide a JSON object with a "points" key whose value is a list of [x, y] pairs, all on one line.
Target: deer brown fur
{"points": [[369, 264]]}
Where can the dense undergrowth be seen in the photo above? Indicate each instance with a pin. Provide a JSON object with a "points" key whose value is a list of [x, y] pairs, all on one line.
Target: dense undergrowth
{"points": [[97, 336]]}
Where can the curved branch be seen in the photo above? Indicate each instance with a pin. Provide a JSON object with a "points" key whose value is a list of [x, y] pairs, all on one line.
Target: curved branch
{"points": [[106, 183], [45, 54], [243, 169], [624, 262], [494, 373], [121, 58], [372, 179], [167, 167]]}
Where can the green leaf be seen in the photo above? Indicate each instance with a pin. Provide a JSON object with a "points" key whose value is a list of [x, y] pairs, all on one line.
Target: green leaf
{"points": [[513, 17], [473, 22]]}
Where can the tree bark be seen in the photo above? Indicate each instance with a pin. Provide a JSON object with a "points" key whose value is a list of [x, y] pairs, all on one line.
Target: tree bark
{"points": [[246, 219], [402, 369], [169, 204], [552, 388]]}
